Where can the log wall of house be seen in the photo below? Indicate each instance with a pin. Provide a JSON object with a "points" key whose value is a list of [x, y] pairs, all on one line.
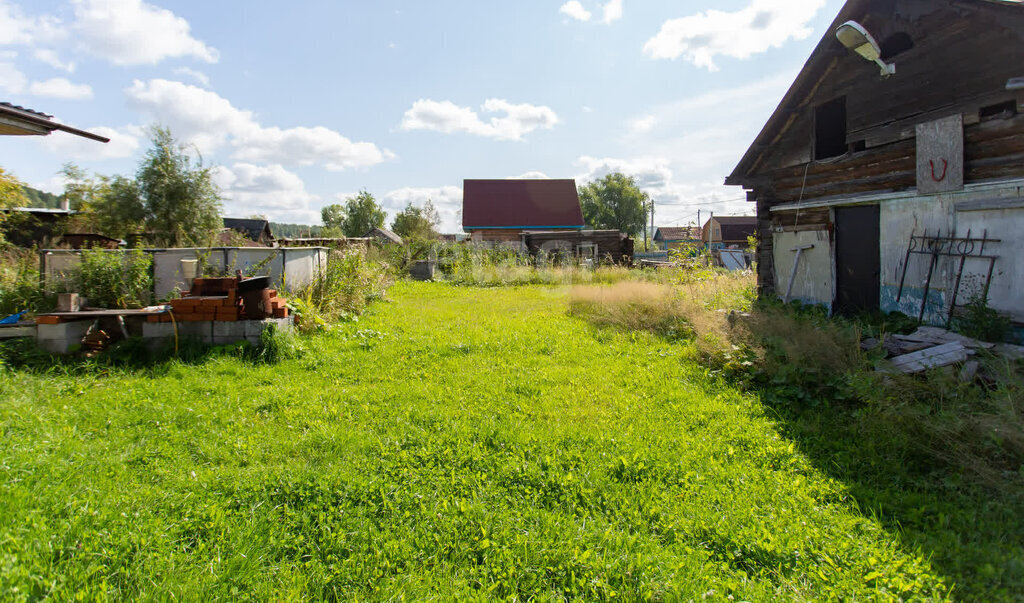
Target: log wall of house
{"points": [[497, 235], [963, 56], [611, 244]]}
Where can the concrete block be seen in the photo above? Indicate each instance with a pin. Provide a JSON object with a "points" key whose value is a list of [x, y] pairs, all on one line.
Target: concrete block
{"points": [[222, 330], [60, 338], [228, 340], [201, 330], [157, 330]]}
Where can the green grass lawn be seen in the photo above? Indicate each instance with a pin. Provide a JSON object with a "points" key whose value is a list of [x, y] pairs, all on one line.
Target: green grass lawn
{"points": [[455, 442]]}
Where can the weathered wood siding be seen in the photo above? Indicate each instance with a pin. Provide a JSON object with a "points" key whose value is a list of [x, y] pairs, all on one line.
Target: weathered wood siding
{"points": [[964, 52]]}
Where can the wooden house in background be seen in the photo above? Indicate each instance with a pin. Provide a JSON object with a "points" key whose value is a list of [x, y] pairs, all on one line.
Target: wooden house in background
{"points": [[256, 230], [898, 184], [383, 236], [675, 237], [722, 232], [501, 210]]}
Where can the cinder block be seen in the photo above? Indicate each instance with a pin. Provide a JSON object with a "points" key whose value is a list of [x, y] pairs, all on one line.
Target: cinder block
{"points": [[65, 330], [157, 330], [236, 330], [200, 330], [60, 338]]}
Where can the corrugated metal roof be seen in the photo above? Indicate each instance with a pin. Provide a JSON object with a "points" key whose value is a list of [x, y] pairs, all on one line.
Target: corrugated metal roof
{"points": [[24, 121], [521, 204]]}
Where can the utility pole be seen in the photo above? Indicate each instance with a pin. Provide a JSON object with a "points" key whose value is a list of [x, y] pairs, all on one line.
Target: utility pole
{"points": [[652, 226]]}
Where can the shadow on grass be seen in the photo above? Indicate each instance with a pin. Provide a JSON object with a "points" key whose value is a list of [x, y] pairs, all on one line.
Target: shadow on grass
{"points": [[922, 487], [135, 354]]}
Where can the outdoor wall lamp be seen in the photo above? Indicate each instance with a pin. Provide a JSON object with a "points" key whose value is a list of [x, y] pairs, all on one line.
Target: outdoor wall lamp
{"points": [[853, 36]]}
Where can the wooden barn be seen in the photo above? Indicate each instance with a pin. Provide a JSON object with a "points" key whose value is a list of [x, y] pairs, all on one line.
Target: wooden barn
{"points": [[722, 232], [891, 176], [676, 237], [501, 210]]}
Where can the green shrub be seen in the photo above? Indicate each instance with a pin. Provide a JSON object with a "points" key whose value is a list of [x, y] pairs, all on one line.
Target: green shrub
{"points": [[980, 321], [342, 289], [20, 287], [114, 279]]}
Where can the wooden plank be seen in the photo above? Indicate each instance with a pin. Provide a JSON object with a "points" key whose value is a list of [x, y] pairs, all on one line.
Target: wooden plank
{"points": [[939, 356]]}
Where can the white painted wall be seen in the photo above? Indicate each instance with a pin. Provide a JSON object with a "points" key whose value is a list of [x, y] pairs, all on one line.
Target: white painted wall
{"points": [[1006, 293], [303, 263], [813, 283]]}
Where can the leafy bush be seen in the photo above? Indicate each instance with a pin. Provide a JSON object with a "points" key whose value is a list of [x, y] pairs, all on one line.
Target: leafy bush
{"points": [[981, 321], [20, 287], [114, 279], [343, 288]]}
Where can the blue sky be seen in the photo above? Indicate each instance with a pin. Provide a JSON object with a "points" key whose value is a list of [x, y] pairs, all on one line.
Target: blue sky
{"points": [[301, 104]]}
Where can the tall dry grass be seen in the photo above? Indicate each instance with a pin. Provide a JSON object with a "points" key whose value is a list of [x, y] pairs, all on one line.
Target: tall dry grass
{"points": [[698, 308]]}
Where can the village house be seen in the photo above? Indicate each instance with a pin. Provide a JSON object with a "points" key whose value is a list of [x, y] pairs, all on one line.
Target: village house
{"points": [[256, 230], [668, 238], [501, 210], [723, 232], [891, 176]]}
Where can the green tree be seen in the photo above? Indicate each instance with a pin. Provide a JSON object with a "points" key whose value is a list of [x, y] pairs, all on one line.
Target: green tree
{"points": [[333, 216], [182, 204], [615, 202], [417, 222], [358, 216], [12, 194]]}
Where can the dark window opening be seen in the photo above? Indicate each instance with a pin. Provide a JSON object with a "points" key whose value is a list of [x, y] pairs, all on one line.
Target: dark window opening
{"points": [[830, 129], [1000, 111], [897, 43], [858, 145]]}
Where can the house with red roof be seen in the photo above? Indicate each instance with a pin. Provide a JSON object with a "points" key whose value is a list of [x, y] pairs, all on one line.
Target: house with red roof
{"points": [[501, 210]]}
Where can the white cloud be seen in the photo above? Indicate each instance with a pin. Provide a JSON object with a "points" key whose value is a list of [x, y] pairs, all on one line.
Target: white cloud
{"points": [[59, 87], [449, 118], [12, 80], [194, 115], [18, 28], [51, 58], [198, 76], [124, 142], [574, 9], [270, 190], [308, 146], [209, 121], [761, 25], [446, 199], [531, 176], [612, 11], [132, 32], [642, 124]]}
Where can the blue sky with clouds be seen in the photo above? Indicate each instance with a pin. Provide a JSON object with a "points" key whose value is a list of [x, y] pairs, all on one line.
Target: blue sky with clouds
{"points": [[301, 104]]}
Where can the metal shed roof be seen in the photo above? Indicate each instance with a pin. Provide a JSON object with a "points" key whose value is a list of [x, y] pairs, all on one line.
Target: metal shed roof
{"points": [[521, 204]]}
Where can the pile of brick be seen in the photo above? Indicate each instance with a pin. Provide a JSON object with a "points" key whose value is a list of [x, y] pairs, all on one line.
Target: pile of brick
{"points": [[217, 299]]}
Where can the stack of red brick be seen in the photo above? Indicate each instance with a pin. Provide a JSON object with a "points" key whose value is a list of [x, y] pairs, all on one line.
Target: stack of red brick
{"points": [[217, 299]]}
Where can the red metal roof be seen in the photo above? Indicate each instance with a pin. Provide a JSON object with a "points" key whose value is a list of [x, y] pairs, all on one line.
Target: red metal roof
{"points": [[521, 204]]}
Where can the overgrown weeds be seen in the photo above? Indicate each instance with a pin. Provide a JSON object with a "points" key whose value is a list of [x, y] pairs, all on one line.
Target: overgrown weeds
{"points": [[113, 279], [20, 286], [802, 361], [341, 290]]}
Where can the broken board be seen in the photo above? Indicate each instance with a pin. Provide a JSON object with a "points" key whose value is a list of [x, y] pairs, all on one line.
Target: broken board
{"points": [[918, 362]]}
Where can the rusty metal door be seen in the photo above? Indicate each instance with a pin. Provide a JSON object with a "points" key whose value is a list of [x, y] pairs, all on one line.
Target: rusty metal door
{"points": [[858, 259]]}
